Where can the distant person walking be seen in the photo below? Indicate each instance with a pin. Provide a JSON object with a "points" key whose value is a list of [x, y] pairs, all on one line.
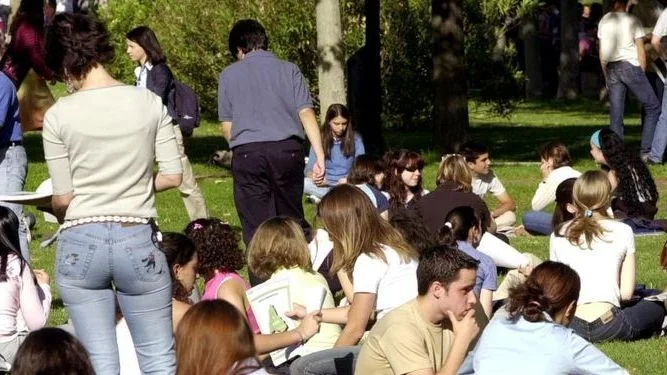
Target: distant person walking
{"points": [[154, 74], [623, 60], [265, 107]]}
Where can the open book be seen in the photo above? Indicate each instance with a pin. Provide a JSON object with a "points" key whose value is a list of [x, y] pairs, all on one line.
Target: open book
{"points": [[270, 301]]}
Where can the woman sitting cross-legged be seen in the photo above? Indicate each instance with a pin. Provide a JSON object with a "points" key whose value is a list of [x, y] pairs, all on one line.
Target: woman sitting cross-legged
{"points": [[341, 146], [534, 338], [602, 251]]}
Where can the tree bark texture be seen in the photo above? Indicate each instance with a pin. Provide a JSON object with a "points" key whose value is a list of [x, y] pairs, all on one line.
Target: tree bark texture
{"points": [[450, 105], [330, 64], [568, 81], [529, 34]]}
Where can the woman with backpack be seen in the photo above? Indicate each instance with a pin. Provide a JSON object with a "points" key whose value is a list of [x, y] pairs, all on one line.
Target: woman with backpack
{"points": [[154, 74]]}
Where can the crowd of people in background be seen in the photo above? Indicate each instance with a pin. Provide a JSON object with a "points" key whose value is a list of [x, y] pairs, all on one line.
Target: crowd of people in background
{"points": [[409, 278]]}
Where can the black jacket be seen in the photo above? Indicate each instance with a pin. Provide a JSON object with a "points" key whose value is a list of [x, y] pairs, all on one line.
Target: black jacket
{"points": [[160, 81]]}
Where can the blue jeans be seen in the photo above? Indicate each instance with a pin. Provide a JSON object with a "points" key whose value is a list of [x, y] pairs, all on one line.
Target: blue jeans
{"points": [[13, 171], [309, 188], [98, 263], [621, 76], [639, 321], [538, 222], [660, 135], [335, 361]]}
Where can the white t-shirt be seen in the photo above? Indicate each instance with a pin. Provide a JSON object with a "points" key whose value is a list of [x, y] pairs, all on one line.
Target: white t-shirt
{"points": [[617, 32], [394, 282], [660, 28], [546, 190], [487, 183], [600, 266]]}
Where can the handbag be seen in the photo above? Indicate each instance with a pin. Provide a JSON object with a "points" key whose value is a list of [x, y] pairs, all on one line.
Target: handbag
{"points": [[35, 99]]}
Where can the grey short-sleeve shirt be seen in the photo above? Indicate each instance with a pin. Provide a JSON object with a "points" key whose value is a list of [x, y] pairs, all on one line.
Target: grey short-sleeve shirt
{"points": [[261, 96]]}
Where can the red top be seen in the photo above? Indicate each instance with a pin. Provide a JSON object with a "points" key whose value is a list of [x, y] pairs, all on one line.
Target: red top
{"points": [[25, 51]]}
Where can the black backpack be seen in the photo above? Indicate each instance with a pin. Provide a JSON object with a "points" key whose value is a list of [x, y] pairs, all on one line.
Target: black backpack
{"points": [[184, 107]]}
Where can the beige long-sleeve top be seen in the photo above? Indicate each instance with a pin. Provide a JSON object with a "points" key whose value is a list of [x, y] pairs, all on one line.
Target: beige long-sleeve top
{"points": [[100, 145]]}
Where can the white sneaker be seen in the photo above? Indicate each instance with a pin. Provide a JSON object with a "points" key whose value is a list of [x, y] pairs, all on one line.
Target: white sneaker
{"points": [[313, 199]]}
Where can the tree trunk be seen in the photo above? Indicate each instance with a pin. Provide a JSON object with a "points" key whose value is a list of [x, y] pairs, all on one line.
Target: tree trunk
{"points": [[365, 83], [330, 54], [450, 105], [568, 82], [532, 58]]}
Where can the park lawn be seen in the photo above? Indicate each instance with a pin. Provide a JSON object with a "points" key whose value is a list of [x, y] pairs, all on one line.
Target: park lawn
{"points": [[513, 143]]}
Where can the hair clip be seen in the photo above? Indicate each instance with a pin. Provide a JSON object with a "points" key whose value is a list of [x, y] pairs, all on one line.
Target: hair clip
{"points": [[447, 156], [448, 225], [197, 226], [588, 213]]}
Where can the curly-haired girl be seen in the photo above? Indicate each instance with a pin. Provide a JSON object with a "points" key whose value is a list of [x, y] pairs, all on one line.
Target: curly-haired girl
{"points": [[219, 259]]}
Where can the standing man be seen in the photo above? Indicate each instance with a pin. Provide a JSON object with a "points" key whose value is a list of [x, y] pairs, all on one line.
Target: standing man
{"points": [[660, 138], [484, 181], [623, 61], [265, 107]]}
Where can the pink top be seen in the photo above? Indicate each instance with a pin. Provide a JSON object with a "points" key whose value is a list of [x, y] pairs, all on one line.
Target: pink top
{"points": [[211, 293], [20, 292]]}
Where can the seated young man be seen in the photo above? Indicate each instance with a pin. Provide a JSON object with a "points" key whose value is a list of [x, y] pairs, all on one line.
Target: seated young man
{"points": [[485, 181], [432, 333]]}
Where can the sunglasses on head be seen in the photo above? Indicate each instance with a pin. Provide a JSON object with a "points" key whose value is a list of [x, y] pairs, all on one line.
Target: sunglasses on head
{"points": [[413, 168]]}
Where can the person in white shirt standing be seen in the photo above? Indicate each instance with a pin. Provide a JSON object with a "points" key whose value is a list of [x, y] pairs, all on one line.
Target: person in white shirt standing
{"points": [[660, 135], [484, 180], [623, 60]]}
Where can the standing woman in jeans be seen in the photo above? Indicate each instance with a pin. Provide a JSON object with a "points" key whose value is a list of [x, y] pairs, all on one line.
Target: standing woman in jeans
{"points": [[154, 74], [100, 144]]}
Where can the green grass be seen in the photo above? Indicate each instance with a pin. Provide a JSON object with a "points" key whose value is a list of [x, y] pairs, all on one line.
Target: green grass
{"points": [[513, 143]]}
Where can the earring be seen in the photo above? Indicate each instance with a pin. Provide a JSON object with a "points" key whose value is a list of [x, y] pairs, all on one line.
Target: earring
{"points": [[70, 86]]}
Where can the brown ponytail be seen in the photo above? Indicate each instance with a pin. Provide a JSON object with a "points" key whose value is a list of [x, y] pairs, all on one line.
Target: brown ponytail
{"points": [[591, 194], [550, 288]]}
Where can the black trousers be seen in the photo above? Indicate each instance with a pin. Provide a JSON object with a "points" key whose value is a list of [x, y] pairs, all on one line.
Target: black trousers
{"points": [[268, 182]]}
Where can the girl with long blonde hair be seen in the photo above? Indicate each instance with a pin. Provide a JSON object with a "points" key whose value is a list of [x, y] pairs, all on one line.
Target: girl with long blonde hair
{"points": [[602, 251]]}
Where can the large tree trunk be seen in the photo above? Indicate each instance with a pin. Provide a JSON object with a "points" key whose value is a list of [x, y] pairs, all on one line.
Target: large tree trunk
{"points": [[531, 51], [365, 83], [568, 83], [330, 54], [450, 105]]}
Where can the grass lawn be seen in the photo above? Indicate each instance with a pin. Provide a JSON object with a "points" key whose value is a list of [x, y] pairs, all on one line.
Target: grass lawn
{"points": [[512, 142]]}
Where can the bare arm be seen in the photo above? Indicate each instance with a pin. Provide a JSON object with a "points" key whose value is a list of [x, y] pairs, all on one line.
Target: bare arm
{"points": [[627, 282], [357, 319], [641, 53], [59, 203], [506, 204], [655, 42], [486, 299], [167, 181], [226, 128], [309, 122]]}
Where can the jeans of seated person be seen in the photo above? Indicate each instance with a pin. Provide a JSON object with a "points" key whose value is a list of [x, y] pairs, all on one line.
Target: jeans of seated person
{"points": [[335, 361], [639, 321], [538, 222], [94, 258], [622, 76], [309, 188], [13, 171]]}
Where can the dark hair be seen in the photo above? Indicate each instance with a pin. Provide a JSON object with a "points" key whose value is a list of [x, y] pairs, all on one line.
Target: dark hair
{"points": [[396, 163], [52, 351], [75, 44], [145, 37], [52, 3], [461, 220], [179, 250], [411, 225], [563, 198], [217, 245], [347, 140], [247, 35], [363, 171], [442, 264], [30, 12], [550, 288], [556, 151], [635, 184], [9, 240], [472, 150]]}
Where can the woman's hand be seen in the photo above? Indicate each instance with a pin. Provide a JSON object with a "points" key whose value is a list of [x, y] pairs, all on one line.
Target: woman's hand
{"points": [[298, 312], [41, 276], [310, 325]]}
